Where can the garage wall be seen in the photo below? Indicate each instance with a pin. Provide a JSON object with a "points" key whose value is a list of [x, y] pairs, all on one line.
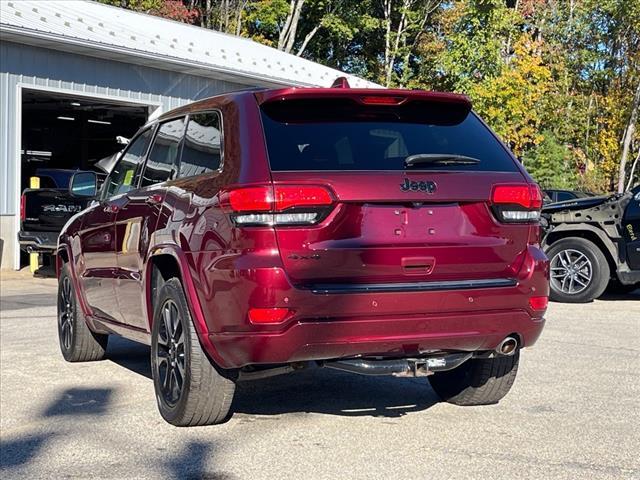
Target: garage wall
{"points": [[33, 66]]}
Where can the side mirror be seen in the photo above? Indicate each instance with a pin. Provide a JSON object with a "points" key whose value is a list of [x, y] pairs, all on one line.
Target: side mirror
{"points": [[83, 184]]}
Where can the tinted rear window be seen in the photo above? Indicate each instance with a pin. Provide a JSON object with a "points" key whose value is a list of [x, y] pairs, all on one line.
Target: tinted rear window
{"points": [[326, 135]]}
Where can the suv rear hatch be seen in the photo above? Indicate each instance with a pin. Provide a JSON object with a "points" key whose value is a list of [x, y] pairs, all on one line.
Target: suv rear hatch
{"points": [[405, 188]]}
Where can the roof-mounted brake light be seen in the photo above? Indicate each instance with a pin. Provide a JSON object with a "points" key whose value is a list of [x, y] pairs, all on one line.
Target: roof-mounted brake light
{"points": [[382, 100]]}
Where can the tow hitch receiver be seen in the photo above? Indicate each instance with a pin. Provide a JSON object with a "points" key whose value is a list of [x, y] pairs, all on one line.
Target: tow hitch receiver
{"points": [[402, 367]]}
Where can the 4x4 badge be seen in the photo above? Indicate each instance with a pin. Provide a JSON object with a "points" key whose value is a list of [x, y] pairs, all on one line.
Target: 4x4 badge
{"points": [[422, 186]]}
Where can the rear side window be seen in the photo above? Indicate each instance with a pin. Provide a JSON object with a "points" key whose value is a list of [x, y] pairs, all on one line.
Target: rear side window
{"points": [[47, 182], [202, 150], [333, 136], [564, 196], [123, 176], [163, 158]]}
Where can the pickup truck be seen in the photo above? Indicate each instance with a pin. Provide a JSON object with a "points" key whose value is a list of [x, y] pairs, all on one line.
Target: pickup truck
{"points": [[44, 211], [592, 243]]}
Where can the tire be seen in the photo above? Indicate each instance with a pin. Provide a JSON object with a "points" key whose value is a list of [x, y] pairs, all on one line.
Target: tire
{"points": [[582, 252], [190, 390], [481, 381], [77, 342]]}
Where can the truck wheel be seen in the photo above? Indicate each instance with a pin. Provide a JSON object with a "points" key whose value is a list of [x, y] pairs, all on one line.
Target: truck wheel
{"points": [[481, 381], [579, 271], [189, 389], [77, 342]]}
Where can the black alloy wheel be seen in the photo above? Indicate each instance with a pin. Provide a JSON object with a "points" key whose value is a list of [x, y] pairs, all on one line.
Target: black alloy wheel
{"points": [[77, 342], [66, 313], [170, 354]]}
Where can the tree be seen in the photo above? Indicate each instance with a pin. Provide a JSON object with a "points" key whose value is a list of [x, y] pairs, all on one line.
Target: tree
{"points": [[171, 9], [541, 72], [550, 163], [626, 139], [404, 23]]}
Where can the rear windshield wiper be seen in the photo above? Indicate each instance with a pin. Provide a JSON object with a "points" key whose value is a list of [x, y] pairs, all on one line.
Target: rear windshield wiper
{"points": [[439, 159]]}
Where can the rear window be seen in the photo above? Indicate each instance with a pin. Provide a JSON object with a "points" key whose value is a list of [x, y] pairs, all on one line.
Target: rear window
{"points": [[344, 135]]}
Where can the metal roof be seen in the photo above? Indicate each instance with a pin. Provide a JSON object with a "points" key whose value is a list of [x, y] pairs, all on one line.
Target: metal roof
{"points": [[99, 30]]}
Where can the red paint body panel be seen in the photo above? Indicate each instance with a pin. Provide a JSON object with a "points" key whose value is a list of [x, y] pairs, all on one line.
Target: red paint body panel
{"points": [[374, 233]]}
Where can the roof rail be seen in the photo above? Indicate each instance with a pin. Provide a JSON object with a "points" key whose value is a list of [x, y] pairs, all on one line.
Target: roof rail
{"points": [[340, 82]]}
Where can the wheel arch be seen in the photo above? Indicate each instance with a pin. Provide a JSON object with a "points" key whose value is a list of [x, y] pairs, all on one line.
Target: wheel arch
{"points": [[65, 257], [168, 262]]}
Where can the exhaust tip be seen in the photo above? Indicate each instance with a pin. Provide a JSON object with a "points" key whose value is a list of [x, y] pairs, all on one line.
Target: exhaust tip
{"points": [[508, 346]]}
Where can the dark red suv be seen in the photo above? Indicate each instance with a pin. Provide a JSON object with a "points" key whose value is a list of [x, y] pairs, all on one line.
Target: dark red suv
{"points": [[262, 232]]}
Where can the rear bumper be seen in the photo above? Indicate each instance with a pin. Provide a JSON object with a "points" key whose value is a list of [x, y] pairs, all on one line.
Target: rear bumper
{"points": [[38, 241], [387, 337], [385, 323]]}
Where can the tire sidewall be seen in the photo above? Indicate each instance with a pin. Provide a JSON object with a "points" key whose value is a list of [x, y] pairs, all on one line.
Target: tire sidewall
{"points": [[599, 276], [171, 291]]}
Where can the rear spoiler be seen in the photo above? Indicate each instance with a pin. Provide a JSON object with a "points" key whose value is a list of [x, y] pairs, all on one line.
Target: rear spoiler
{"points": [[365, 96]]}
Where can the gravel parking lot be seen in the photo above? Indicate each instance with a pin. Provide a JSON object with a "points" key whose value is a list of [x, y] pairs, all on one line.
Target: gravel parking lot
{"points": [[573, 413]]}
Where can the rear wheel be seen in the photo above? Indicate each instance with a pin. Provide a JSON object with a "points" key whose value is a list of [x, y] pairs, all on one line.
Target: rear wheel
{"points": [[77, 342], [189, 390], [481, 381], [579, 271]]}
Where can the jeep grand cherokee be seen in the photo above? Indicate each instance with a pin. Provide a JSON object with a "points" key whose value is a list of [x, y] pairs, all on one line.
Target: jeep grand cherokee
{"points": [[260, 232]]}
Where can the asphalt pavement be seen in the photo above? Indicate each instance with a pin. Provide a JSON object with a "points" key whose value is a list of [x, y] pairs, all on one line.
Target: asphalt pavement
{"points": [[573, 413]]}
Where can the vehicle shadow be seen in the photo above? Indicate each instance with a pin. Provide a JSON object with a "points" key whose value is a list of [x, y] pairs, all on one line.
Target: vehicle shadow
{"points": [[316, 390], [608, 296], [130, 355], [336, 393]]}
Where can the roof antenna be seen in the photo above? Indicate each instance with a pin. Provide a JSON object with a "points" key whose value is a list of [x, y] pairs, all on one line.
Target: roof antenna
{"points": [[340, 82]]}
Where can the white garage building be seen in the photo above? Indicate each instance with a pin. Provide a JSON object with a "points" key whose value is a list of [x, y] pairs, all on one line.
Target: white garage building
{"points": [[74, 74]]}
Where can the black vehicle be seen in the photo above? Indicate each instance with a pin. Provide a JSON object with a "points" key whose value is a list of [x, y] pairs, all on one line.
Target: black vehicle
{"points": [[564, 195], [592, 242], [44, 211]]}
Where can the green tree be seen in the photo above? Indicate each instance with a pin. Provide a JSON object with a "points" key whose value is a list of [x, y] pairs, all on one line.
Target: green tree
{"points": [[551, 163]]}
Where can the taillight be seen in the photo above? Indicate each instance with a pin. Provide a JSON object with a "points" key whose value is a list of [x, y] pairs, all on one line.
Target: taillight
{"points": [[277, 205], [257, 199], [23, 208], [290, 196], [269, 315], [538, 303], [517, 203]]}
